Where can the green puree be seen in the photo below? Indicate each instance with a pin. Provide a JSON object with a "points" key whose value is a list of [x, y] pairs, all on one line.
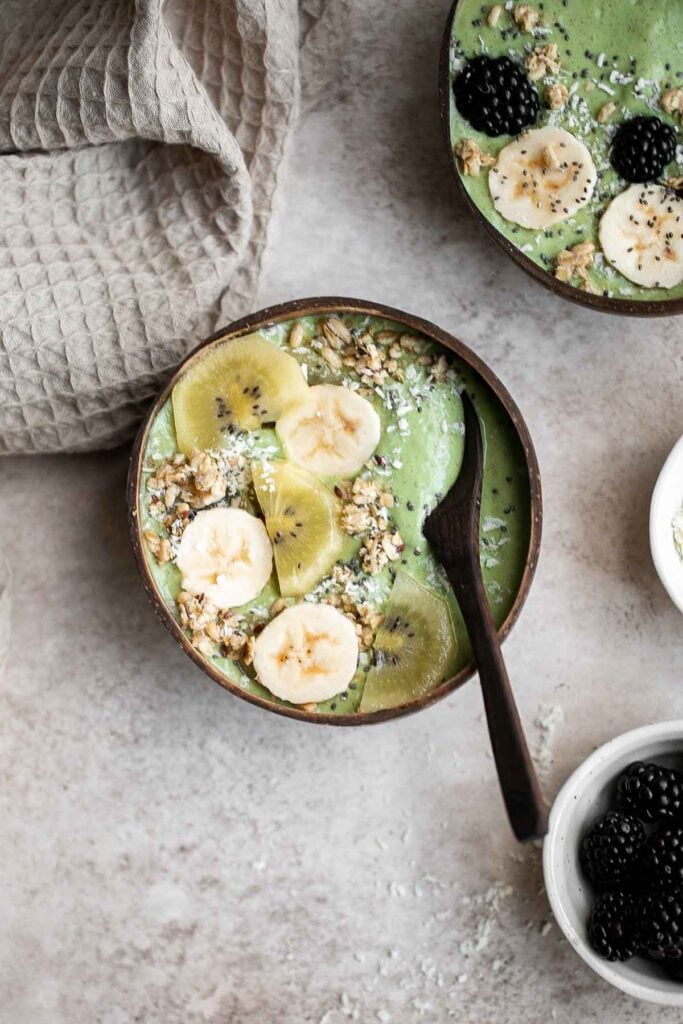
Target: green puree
{"points": [[625, 51], [418, 457]]}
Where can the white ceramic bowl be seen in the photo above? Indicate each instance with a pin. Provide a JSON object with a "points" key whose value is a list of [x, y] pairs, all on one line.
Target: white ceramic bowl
{"points": [[667, 498], [583, 798]]}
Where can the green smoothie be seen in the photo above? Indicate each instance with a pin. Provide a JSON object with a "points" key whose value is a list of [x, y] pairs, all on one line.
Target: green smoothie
{"points": [[417, 458], [625, 53]]}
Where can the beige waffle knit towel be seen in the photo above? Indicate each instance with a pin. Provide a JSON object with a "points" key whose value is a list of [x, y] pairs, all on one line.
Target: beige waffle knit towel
{"points": [[139, 148]]}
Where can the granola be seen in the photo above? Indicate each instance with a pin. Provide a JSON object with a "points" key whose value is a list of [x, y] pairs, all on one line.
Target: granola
{"points": [[179, 487], [159, 546], [472, 157], [557, 95], [373, 357], [525, 17], [551, 159], [211, 628], [339, 591], [493, 17], [672, 102], [365, 513], [543, 61], [605, 112], [197, 481], [575, 262]]}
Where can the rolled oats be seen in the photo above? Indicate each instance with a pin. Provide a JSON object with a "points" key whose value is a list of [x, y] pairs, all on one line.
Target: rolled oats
{"points": [[331, 357], [296, 335], [336, 332]]}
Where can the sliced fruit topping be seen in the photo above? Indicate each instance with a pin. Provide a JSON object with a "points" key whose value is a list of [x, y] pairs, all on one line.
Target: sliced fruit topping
{"points": [[414, 647], [226, 555], [641, 234], [544, 177], [237, 384], [302, 519], [495, 96], [308, 653], [642, 148], [332, 431]]}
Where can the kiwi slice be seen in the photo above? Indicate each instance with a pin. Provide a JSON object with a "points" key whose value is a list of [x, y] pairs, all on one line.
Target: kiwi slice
{"points": [[414, 648], [241, 384], [302, 520]]}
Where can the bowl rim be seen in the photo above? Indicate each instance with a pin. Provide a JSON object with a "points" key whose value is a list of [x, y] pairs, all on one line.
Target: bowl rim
{"points": [[658, 537], [560, 811], [603, 303], [313, 307]]}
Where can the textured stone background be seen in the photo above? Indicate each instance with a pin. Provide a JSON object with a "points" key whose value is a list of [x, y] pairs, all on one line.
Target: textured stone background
{"points": [[173, 856]]}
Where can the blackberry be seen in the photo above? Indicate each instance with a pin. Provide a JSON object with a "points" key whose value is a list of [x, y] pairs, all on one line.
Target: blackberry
{"points": [[660, 926], [642, 148], [651, 792], [611, 852], [663, 859], [495, 96], [674, 968], [612, 926]]}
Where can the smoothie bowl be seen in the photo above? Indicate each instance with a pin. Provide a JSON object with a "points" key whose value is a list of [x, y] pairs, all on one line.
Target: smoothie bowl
{"points": [[277, 492], [563, 121]]}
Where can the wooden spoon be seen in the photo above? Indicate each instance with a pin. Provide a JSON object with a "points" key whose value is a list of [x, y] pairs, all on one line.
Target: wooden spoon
{"points": [[452, 529]]}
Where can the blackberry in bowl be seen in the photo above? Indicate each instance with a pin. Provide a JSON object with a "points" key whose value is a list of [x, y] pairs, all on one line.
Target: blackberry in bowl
{"points": [[642, 148], [495, 96], [613, 877]]}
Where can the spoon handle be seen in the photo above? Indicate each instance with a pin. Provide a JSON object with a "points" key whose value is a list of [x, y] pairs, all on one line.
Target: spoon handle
{"points": [[524, 802]]}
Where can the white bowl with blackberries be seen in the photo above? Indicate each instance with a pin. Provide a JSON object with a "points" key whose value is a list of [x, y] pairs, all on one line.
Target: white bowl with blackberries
{"points": [[613, 862]]}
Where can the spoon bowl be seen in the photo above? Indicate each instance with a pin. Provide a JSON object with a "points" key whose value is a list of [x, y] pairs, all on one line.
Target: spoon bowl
{"points": [[485, 382]]}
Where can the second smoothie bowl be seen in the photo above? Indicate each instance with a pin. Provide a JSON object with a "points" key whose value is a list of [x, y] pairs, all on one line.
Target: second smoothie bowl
{"points": [[563, 123], [277, 493]]}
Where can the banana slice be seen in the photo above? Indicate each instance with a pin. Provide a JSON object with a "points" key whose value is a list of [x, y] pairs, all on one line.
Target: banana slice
{"points": [[541, 178], [225, 553], [641, 234], [308, 653], [332, 431]]}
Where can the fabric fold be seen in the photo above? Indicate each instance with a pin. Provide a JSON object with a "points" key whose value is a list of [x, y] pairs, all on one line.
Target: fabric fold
{"points": [[139, 151]]}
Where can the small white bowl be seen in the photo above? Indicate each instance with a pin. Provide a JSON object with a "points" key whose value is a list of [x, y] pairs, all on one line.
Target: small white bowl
{"points": [[582, 799], [667, 498]]}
